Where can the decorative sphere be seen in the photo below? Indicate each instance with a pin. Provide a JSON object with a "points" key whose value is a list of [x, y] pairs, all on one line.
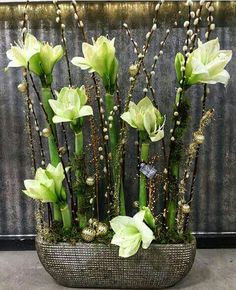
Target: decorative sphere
{"points": [[46, 132], [88, 234], [22, 87], [93, 222], [199, 138], [186, 208], [101, 229], [62, 150], [90, 181]]}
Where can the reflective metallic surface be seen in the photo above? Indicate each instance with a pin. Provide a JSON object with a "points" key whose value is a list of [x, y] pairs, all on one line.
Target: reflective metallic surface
{"points": [[215, 202]]}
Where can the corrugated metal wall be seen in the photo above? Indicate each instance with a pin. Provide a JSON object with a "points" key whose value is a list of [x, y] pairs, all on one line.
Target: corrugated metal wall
{"points": [[215, 202]]}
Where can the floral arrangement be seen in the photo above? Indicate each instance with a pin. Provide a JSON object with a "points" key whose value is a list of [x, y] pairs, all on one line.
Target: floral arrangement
{"points": [[86, 199]]}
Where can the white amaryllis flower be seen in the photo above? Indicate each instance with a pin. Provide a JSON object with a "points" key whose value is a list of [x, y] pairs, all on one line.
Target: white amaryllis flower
{"points": [[20, 54], [47, 184], [41, 57], [205, 64], [49, 56], [146, 118], [130, 233], [70, 105], [100, 58]]}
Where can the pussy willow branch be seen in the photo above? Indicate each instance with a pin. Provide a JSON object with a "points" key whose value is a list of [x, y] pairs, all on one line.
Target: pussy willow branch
{"points": [[150, 75], [162, 44], [186, 55], [137, 51], [37, 128], [123, 131], [39, 218], [29, 125], [28, 115], [63, 38], [80, 25], [197, 20], [203, 111]]}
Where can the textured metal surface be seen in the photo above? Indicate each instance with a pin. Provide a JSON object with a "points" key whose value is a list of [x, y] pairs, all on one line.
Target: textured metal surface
{"points": [[215, 202], [98, 265]]}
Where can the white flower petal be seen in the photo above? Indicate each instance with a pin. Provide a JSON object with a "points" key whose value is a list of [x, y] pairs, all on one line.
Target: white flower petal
{"points": [[119, 222], [57, 119], [80, 62], [85, 111]]}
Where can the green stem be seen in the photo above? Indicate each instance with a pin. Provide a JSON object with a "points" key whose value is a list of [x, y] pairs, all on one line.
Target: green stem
{"points": [[54, 156], [122, 200], [113, 137], [56, 213], [176, 152], [66, 216], [81, 199], [79, 143], [142, 180]]}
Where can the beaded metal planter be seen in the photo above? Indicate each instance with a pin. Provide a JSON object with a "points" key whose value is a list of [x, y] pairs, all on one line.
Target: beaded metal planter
{"points": [[99, 266]]}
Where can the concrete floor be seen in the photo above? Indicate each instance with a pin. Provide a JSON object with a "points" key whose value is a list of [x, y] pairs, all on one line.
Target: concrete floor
{"points": [[213, 270]]}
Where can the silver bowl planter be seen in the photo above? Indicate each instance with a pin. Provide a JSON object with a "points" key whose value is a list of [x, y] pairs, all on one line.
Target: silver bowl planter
{"points": [[96, 265]]}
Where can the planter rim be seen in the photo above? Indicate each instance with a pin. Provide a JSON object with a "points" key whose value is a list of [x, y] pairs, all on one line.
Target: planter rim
{"points": [[39, 239]]}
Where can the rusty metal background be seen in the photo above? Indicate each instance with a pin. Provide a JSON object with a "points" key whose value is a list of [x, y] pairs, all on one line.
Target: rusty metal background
{"points": [[215, 201]]}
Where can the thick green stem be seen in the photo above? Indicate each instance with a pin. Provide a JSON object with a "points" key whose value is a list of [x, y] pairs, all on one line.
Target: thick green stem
{"points": [[81, 199], [56, 213], [176, 154], [79, 143], [66, 216], [113, 137], [142, 180], [54, 156]]}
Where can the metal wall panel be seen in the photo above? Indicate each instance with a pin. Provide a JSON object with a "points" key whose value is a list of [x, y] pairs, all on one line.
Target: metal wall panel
{"points": [[215, 202]]}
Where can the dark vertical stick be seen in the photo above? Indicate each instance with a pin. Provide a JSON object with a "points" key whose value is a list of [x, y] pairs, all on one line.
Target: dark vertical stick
{"points": [[195, 166]]}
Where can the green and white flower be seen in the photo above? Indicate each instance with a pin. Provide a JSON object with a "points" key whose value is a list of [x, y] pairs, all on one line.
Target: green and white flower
{"points": [[130, 233], [149, 218], [47, 184], [22, 54], [100, 58], [70, 105], [205, 64], [145, 118], [40, 57], [49, 56]]}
